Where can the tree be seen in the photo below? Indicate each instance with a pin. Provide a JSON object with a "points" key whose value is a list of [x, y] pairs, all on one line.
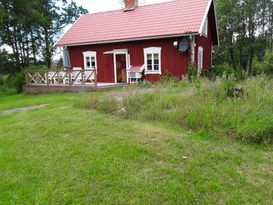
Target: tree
{"points": [[30, 27], [244, 26], [56, 19]]}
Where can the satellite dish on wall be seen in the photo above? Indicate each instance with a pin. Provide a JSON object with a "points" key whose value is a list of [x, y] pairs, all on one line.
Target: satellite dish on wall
{"points": [[183, 45]]}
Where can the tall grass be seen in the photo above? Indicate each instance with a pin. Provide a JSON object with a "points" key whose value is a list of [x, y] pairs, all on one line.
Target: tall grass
{"points": [[205, 108]]}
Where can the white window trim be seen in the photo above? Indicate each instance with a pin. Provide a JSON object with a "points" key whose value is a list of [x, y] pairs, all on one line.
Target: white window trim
{"points": [[90, 54], [200, 62], [152, 50]]}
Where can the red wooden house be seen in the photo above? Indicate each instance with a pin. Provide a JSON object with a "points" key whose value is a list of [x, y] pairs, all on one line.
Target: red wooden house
{"points": [[143, 41]]}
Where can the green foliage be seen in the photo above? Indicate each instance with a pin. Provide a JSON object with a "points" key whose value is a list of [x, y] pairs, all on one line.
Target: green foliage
{"points": [[168, 79], [4, 85], [31, 27], [106, 105], [144, 83], [192, 72], [34, 67], [245, 30], [17, 81], [264, 66], [207, 107]]}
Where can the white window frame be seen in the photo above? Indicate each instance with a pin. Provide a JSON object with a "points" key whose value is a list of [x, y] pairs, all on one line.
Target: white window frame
{"points": [[205, 28], [200, 60], [152, 50], [90, 54]]}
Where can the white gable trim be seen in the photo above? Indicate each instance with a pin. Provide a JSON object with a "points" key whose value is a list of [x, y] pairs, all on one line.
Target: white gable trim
{"points": [[205, 17]]}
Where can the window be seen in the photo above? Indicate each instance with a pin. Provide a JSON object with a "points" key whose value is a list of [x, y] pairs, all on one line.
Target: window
{"points": [[152, 59], [90, 60], [205, 29], [200, 59]]}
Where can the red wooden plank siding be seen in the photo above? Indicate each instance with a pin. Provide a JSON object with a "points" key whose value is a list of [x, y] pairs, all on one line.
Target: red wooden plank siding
{"points": [[171, 59]]}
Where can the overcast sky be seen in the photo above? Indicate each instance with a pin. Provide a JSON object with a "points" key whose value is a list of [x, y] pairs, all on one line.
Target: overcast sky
{"points": [[107, 5]]}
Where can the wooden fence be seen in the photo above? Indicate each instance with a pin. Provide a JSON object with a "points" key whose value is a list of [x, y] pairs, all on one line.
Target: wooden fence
{"points": [[62, 77]]}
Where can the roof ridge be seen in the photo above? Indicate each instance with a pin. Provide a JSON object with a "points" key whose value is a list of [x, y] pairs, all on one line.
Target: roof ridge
{"points": [[115, 10]]}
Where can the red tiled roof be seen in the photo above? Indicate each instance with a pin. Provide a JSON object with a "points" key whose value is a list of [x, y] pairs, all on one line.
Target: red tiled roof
{"points": [[175, 17]]}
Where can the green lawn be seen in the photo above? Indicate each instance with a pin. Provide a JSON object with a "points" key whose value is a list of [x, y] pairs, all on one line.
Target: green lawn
{"points": [[65, 154]]}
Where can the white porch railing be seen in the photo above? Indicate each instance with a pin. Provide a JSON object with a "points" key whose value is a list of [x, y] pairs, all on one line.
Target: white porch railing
{"points": [[62, 77]]}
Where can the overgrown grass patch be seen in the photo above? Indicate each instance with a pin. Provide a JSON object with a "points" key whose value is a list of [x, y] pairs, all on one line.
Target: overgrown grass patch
{"points": [[203, 106]]}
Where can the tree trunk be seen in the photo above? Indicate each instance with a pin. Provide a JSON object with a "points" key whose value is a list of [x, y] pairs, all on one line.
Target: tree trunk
{"points": [[250, 61], [47, 51], [33, 46], [231, 52]]}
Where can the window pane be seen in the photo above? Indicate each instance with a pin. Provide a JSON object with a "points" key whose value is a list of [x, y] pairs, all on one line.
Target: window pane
{"points": [[156, 67], [149, 62], [156, 61], [88, 63], [93, 62]]}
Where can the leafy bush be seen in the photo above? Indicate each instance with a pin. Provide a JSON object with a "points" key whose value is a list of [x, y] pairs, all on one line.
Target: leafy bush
{"points": [[168, 79], [265, 66], [36, 67], [17, 81], [192, 72], [4, 85], [144, 83], [1, 81], [106, 105]]}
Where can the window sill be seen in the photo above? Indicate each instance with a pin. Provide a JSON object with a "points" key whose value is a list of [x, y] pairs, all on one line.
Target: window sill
{"points": [[152, 73]]}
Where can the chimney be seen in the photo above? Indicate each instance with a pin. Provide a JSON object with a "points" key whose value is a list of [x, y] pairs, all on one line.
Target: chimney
{"points": [[130, 5]]}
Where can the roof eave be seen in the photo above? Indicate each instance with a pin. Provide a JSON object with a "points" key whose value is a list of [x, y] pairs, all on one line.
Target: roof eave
{"points": [[127, 40]]}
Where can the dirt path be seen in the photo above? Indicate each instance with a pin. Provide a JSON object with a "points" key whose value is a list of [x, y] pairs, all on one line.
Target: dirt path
{"points": [[21, 109]]}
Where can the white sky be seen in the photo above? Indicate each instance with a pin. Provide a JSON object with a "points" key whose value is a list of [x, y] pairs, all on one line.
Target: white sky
{"points": [[94, 6]]}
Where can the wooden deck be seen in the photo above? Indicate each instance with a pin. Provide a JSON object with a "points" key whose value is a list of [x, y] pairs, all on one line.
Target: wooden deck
{"points": [[43, 89], [65, 81]]}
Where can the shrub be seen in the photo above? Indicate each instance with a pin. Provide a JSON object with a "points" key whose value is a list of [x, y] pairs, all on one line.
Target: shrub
{"points": [[144, 83], [17, 81], [1, 80], [192, 72], [168, 79], [205, 108], [265, 66], [108, 105]]}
